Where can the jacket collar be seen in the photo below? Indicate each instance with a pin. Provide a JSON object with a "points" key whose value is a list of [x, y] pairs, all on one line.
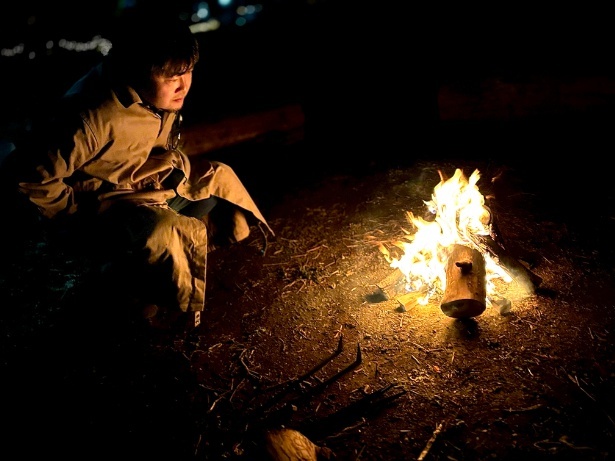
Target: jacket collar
{"points": [[128, 96]]}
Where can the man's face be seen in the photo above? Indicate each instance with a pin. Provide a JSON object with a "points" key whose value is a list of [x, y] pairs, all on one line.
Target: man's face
{"points": [[168, 93]]}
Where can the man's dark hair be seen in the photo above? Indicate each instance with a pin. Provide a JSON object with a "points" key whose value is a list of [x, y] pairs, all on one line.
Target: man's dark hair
{"points": [[147, 45]]}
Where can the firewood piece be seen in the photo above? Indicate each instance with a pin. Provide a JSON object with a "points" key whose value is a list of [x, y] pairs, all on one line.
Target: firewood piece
{"points": [[406, 301], [507, 261], [394, 289], [465, 294], [504, 304], [401, 303], [393, 284]]}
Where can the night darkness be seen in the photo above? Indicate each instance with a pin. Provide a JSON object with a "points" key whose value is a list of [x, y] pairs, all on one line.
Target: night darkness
{"points": [[393, 96], [353, 65]]}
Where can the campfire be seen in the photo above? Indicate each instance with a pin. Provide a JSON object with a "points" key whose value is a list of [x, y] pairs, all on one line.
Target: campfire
{"points": [[457, 254]]}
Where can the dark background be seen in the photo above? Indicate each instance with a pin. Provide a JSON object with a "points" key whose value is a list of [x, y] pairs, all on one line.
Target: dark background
{"points": [[368, 75], [382, 59]]}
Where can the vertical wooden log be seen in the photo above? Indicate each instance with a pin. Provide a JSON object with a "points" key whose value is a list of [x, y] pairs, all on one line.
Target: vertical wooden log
{"points": [[465, 294]]}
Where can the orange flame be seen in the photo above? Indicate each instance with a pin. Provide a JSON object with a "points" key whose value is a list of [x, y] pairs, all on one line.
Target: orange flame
{"points": [[460, 215]]}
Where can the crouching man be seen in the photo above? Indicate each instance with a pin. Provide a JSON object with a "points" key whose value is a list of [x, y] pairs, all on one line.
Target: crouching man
{"points": [[106, 169]]}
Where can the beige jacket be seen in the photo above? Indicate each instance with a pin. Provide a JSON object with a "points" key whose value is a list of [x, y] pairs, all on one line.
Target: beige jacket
{"points": [[107, 146]]}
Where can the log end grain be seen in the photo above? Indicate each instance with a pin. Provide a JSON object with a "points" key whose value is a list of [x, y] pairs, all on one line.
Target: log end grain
{"points": [[463, 308]]}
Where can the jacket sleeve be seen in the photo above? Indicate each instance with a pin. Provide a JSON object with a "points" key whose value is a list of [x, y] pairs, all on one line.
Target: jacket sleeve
{"points": [[50, 160]]}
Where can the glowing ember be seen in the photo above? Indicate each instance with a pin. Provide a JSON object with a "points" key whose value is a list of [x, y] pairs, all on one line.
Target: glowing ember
{"points": [[460, 217]]}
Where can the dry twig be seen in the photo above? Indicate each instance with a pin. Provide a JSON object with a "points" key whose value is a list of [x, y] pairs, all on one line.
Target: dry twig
{"points": [[430, 442], [250, 372]]}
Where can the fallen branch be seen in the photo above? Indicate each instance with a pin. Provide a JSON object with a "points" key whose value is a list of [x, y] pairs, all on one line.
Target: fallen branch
{"points": [[430, 442]]}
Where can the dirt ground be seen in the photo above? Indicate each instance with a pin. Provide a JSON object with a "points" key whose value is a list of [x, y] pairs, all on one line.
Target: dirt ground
{"points": [[297, 332]]}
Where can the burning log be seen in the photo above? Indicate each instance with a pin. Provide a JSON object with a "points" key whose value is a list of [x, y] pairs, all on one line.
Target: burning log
{"points": [[461, 218], [464, 294], [507, 261], [466, 288]]}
